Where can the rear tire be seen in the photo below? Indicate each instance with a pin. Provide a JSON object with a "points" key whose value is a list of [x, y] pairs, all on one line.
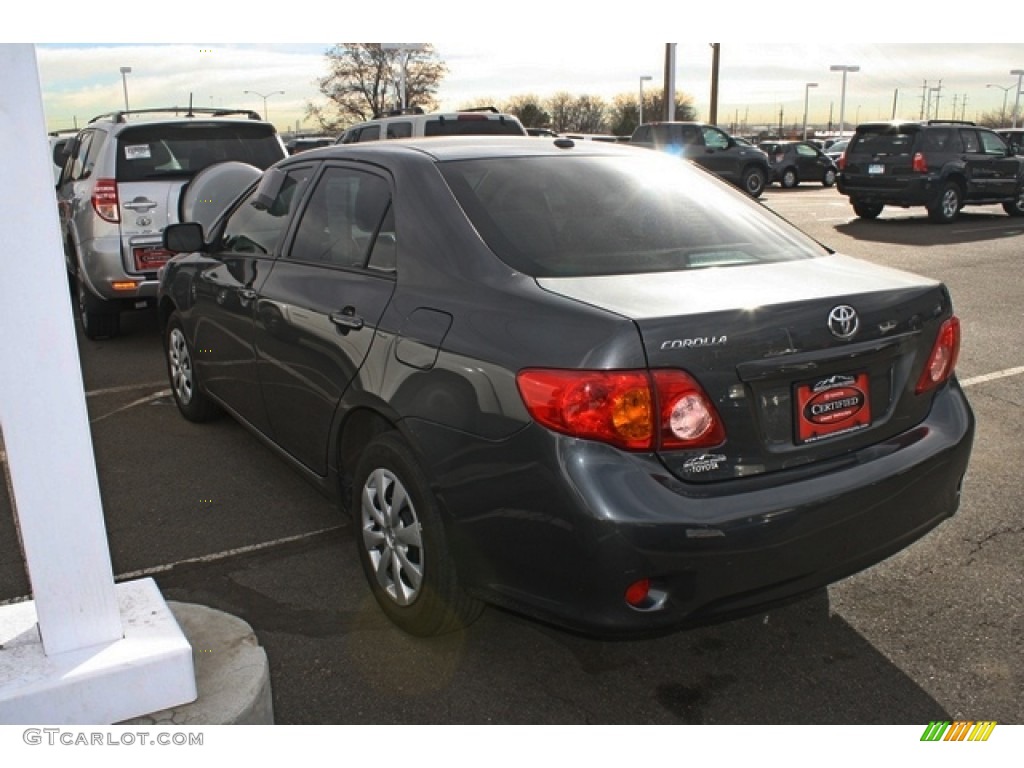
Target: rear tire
{"points": [[402, 545], [789, 178], [829, 178], [947, 205], [192, 402], [867, 210], [100, 319]]}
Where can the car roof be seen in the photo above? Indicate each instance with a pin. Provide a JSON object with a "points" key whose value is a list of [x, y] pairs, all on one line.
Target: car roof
{"points": [[447, 148]]}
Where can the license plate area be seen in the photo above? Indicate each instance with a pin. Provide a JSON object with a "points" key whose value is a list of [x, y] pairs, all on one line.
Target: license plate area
{"points": [[876, 169], [149, 258], [832, 406]]}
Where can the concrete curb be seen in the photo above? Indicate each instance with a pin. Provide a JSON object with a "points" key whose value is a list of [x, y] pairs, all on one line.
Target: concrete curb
{"points": [[232, 672]]}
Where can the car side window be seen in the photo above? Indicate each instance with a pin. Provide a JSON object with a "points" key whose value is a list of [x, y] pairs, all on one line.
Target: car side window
{"points": [[992, 144], [84, 157], [341, 223], [970, 140], [402, 130], [806, 151], [258, 230], [715, 139], [369, 133]]}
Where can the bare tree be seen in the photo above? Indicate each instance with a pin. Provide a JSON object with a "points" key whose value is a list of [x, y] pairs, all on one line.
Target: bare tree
{"points": [[363, 81], [529, 109]]}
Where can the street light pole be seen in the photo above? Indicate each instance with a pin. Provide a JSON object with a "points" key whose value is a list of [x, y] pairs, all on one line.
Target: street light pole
{"points": [[124, 83], [265, 97], [1016, 99], [844, 68], [640, 119], [807, 96], [1006, 92]]}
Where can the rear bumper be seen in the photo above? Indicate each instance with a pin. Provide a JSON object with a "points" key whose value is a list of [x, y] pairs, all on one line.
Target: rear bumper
{"points": [[902, 192], [562, 534]]}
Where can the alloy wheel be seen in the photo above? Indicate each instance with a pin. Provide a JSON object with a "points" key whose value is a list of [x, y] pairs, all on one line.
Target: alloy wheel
{"points": [[392, 536], [180, 360]]}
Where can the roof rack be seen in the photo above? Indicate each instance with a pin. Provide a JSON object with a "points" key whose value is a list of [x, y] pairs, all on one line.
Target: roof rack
{"points": [[119, 115], [479, 109], [954, 122], [403, 111]]}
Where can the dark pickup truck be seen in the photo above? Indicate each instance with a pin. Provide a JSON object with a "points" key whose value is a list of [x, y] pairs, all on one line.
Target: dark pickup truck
{"points": [[744, 165]]}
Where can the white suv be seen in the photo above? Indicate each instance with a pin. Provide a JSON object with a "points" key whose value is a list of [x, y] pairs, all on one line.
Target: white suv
{"points": [[120, 186], [417, 124]]}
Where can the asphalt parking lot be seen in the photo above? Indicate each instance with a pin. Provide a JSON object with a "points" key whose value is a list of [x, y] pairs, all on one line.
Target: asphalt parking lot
{"points": [[935, 632]]}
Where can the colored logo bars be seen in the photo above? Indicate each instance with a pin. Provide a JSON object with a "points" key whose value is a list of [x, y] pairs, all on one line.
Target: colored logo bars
{"points": [[958, 730]]}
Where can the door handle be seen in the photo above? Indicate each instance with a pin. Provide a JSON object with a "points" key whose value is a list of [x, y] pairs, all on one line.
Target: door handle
{"points": [[347, 320], [248, 294]]}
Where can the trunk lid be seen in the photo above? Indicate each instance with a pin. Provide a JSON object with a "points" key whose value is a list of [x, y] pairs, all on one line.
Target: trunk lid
{"points": [[805, 361]]}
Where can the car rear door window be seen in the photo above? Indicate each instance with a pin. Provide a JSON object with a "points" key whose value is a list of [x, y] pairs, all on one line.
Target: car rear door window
{"points": [[342, 220]]}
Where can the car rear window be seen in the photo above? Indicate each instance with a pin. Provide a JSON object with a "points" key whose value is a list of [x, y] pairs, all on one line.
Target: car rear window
{"points": [[472, 125], [582, 216], [181, 150], [882, 142]]}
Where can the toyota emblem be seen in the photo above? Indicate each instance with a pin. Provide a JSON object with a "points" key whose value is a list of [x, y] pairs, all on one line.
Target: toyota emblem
{"points": [[843, 322]]}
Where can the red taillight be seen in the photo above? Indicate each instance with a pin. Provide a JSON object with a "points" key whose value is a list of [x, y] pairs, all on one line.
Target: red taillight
{"points": [[942, 360], [841, 162], [920, 165], [635, 410], [104, 200]]}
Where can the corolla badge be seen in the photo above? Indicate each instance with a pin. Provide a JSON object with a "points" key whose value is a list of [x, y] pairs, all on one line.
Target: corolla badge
{"points": [[843, 322]]}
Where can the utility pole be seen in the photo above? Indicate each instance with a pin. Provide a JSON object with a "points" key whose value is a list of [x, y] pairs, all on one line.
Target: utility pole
{"points": [[716, 50], [670, 82], [924, 95], [895, 101]]}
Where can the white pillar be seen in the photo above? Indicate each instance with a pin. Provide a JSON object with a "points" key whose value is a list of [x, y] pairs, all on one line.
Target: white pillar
{"points": [[86, 633]]}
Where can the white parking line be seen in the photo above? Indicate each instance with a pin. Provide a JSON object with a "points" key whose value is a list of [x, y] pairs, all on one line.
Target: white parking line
{"points": [[211, 558], [141, 401], [125, 388], [992, 376]]}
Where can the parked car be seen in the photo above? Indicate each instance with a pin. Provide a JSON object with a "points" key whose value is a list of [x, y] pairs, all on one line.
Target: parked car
{"points": [[581, 381], [58, 141], [835, 150], [302, 143], [942, 165], [415, 123], [745, 166], [120, 186], [1014, 137], [796, 161]]}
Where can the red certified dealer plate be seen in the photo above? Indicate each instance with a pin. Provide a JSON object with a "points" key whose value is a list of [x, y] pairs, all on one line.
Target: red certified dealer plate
{"points": [[832, 406], [150, 258]]}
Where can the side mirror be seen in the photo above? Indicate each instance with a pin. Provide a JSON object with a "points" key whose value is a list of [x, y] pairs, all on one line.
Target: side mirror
{"points": [[61, 150], [186, 237]]}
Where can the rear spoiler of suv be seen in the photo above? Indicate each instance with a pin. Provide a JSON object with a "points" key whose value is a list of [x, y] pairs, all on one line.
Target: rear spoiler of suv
{"points": [[120, 115]]}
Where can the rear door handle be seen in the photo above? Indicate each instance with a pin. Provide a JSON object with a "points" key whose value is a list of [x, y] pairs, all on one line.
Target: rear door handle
{"points": [[347, 319]]}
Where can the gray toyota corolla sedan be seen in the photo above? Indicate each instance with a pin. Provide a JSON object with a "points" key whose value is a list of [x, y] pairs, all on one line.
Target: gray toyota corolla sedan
{"points": [[589, 383]]}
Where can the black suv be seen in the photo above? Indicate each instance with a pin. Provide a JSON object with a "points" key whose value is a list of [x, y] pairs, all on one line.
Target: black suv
{"points": [[745, 166], [940, 164]]}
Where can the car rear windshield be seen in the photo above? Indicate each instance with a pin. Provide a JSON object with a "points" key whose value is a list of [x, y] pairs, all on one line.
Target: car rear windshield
{"points": [[181, 150], [883, 141], [582, 216], [472, 125]]}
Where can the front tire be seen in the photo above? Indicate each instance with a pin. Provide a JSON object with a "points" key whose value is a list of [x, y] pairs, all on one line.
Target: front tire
{"points": [[754, 181], [1016, 208], [402, 545], [947, 205], [192, 402]]}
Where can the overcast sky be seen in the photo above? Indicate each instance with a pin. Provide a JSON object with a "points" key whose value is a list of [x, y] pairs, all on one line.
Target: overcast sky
{"points": [[537, 49]]}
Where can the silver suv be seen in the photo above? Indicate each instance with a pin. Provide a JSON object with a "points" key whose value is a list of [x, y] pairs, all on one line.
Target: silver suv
{"points": [[120, 186], [414, 123]]}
